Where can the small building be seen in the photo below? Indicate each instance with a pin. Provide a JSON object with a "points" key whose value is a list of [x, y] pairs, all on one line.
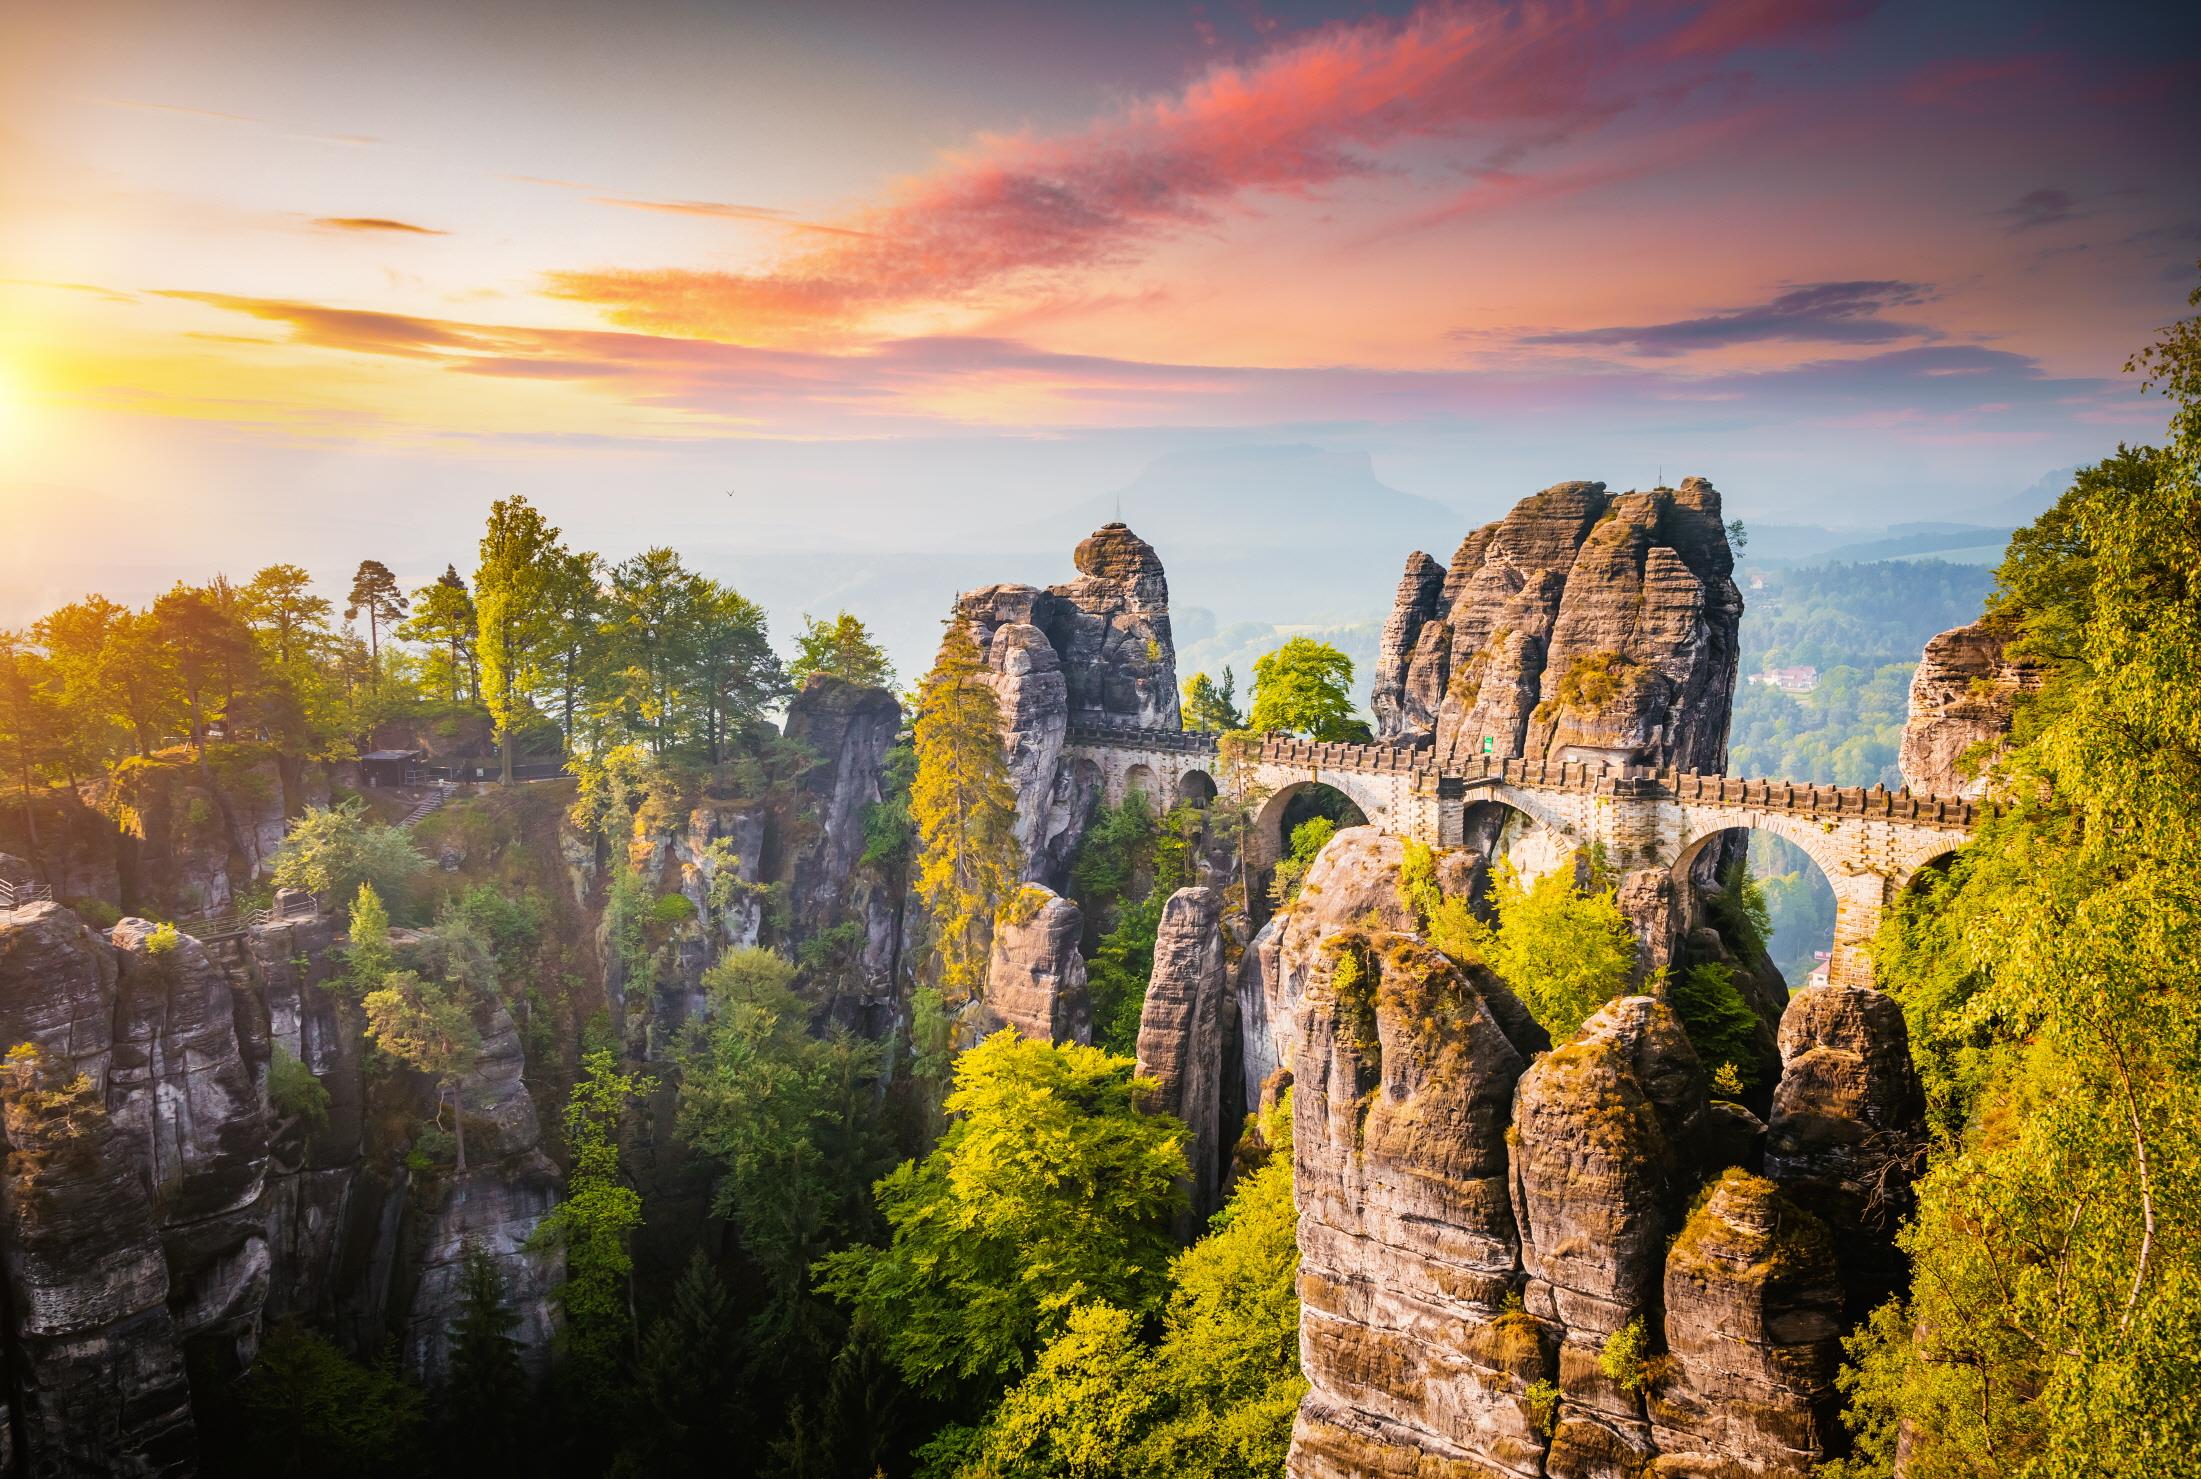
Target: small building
{"points": [[381, 769], [1788, 680]]}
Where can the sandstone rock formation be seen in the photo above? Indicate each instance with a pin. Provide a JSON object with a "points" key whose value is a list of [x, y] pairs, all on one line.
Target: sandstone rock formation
{"points": [[1094, 651], [1848, 1117], [1753, 1330], [1182, 1034], [1962, 695], [1406, 1234], [1482, 1220], [849, 728], [1585, 625], [97, 1361], [1354, 882], [1035, 979], [157, 1209]]}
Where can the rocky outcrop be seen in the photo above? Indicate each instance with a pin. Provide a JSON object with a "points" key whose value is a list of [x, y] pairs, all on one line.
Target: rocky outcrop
{"points": [[1963, 695], [1035, 978], [195, 835], [848, 728], [97, 1362], [496, 1204], [1182, 1035], [185, 1088], [1406, 1233], [1353, 882], [1753, 1338], [1585, 625], [1502, 1272], [1094, 651], [1848, 1120], [57, 838]]}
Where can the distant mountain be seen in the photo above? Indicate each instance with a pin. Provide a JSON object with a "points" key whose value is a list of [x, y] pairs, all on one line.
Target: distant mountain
{"points": [[2023, 507]]}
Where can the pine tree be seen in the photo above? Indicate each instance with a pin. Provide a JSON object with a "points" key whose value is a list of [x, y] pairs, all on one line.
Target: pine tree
{"points": [[965, 811], [487, 1394], [375, 595], [444, 618], [683, 1382]]}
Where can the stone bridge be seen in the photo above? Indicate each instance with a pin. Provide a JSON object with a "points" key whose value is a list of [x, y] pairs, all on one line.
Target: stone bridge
{"points": [[1870, 843]]}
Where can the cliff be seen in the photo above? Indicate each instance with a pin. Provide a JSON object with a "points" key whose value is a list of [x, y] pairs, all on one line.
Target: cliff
{"points": [[1585, 625], [1963, 696], [1558, 1263], [161, 1208]]}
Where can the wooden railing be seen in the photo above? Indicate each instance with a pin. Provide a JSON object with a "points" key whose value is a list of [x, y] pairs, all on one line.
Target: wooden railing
{"points": [[23, 895], [210, 927]]}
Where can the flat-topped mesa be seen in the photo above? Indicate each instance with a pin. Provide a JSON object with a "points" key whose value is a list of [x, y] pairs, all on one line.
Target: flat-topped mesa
{"points": [[1094, 651], [1584, 625]]}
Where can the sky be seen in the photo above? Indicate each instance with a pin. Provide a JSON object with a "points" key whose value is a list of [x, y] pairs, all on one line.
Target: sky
{"points": [[318, 281]]}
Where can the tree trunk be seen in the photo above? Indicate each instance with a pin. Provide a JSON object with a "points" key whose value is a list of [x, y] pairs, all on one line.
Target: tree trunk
{"points": [[458, 1123], [504, 761]]}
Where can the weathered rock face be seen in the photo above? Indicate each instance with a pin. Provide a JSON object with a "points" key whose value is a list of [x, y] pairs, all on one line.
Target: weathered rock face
{"points": [[1963, 694], [1181, 1033], [157, 1208], [185, 1087], [1848, 1117], [509, 1187], [1353, 882], [1585, 625], [1406, 1234], [849, 728], [1095, 651], [1448, 1164], [97, 1359], [193, 836], [1753, 1327], [64, 843], [1035, 979]]}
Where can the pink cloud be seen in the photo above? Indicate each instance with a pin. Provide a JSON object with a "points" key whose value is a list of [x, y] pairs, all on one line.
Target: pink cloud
{"points": [[1311, 111]]}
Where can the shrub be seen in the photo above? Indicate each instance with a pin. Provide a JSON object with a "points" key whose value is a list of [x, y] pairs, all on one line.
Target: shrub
{"points": [[163, 941], [1720, 1024], [1543, 1406], [1626, 1356], [97, 913], [295, 1093]]}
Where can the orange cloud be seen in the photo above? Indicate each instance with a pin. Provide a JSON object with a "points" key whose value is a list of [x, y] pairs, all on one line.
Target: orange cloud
{"points": [[1017, 211], [374, 223]]}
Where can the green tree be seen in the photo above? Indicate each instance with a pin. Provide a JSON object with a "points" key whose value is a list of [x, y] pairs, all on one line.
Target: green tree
{"points": [[515, 587], [1214, 1398], [280, 607], [310, 1409], [736, 671], [2050, 981], [368, 957], [375, 595], [792, 1121], [211, 648], [1565, 951], [688, 1407], [595, 1224], [429, 1026], [332, 850], [445, 622], [485, 1400], [1305, 687], [31, 727], [1213, 707], [964, 810], [1051, 1189], [1720, 1024], [842, 647]]}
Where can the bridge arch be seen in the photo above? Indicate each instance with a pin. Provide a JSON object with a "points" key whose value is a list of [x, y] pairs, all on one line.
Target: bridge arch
{"points": [[1292, 803], [1140, 777], [1196, 786]]}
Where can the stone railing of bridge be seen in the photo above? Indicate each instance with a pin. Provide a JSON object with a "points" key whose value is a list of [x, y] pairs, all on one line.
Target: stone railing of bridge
{"points": [[1868, 841]]}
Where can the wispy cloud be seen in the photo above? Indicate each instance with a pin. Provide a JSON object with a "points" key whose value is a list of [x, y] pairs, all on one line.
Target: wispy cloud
{"points": [[2037, 208], [725, 211], [1310, 112], [1820, 313], [930, 380], [216, 115], [375, 223]]}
